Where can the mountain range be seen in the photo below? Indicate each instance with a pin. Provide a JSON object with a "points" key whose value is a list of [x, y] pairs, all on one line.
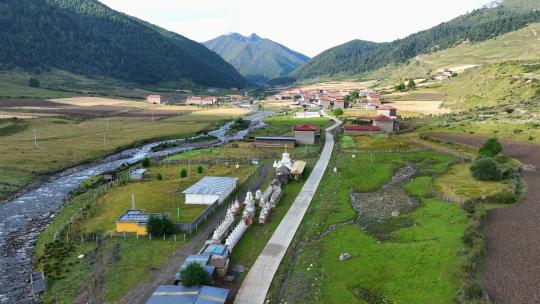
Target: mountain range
{"points": [[258, 59], [88, 38], [358, 57]]}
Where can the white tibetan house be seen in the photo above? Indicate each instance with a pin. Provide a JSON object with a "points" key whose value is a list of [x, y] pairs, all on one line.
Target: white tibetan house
{"points": [[210, 189]]}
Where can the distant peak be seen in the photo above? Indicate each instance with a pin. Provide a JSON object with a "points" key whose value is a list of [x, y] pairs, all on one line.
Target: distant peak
{"points": [[236, 36], [240, 37], [254, 37]]}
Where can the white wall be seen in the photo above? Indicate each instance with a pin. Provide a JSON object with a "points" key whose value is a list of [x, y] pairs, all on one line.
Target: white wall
{"points": [[201, 199]]}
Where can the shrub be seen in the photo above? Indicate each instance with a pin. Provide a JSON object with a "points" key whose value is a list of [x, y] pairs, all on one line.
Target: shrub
{"points": [[160, 225], [503, 197], [183, 173], [159, 176], [194, 275], [338, 112], [411, 84], [486, 169], [490, 148], [200, 169], [146, 162], [34, 83]]}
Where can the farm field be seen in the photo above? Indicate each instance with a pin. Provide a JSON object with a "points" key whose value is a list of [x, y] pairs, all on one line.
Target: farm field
{"points": [[412, 258], [85, 135]]}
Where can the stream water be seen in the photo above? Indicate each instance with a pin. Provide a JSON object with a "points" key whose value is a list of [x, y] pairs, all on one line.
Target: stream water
{"points": [[22, 219]]}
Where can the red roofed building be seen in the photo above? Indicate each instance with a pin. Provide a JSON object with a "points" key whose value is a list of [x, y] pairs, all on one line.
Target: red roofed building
{"points": [[374, 98], [387, 124], [306, 134]]}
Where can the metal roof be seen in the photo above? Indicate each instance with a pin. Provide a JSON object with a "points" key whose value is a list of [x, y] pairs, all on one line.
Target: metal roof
{"points": [[178, 294], [137, 216], [212, 185], [216, 249]]}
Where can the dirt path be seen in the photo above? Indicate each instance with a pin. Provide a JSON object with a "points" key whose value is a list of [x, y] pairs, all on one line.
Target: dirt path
{"points": [[512, 270], [141, 292]]}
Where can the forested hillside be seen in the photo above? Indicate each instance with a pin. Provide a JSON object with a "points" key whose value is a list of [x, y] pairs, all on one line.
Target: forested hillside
{"points": [[479, 25], [88, 38], [258, 59]]}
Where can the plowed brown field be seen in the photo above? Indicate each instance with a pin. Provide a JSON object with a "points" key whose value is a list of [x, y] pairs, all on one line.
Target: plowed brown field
{"points": [[512, 269]]}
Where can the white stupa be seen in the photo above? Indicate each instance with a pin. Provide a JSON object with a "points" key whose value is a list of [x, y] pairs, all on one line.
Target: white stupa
{"points": [[285, 161]]}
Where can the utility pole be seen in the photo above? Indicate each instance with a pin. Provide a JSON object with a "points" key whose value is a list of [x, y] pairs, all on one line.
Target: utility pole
{"points": [[35, 139]]}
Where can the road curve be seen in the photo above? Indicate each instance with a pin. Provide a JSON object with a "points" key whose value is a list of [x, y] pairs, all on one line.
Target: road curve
{"points": [[258, 280], [512, 268]]}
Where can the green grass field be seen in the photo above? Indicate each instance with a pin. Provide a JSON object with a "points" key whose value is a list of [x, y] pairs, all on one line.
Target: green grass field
{"points": [[419, 264], [459, 182], [154, 196], [67, 142], [376, 142]]}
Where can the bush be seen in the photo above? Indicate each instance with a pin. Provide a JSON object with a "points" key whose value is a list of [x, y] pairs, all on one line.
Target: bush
{"points": [[183, 173], [200, 169], [411, 84], [503, 197], [146, 162], [34, 83], [160, 225], [338, 112], [486, 169], [490, 148], [159, 176], [194, 275]]}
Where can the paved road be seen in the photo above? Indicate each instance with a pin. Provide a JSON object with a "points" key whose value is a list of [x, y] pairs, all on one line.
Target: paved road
{"points": [[259, 278], [512, 269]]}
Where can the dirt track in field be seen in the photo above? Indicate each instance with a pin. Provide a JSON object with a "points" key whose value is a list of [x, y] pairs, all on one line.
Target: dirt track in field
{"points": [[512, 269]]}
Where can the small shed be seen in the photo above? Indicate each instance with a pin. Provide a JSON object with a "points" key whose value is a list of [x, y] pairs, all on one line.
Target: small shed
{"points": [[137, 174], [154, 99], [178, 294], [210, 189], [298, 169], [134, 220], [275, 142], [109, 176]]}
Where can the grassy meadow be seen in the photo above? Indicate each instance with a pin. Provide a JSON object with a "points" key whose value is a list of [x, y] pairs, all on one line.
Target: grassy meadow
{"points": [[458, 182], [65, 142], [279, 125], [419, 264]]}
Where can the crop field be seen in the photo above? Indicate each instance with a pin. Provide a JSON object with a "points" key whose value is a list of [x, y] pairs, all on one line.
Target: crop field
{"points": [[412, 258]]}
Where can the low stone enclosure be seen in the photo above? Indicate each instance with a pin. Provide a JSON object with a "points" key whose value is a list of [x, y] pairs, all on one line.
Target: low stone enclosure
{"points": [[377, 209]]}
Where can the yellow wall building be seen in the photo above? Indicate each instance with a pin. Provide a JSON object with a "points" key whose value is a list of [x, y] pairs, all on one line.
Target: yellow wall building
{"points": [[133, 221]]}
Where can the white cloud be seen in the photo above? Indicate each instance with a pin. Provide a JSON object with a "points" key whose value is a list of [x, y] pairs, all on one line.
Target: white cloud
{"points": [[307, 26]]}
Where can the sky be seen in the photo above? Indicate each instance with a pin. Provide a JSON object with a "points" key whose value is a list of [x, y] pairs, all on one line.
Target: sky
{"points": [[306, 26]]}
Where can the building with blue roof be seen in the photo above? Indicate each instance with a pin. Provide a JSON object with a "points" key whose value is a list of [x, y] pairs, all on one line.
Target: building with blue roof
{"points": [[210, 189], [177, 294]]}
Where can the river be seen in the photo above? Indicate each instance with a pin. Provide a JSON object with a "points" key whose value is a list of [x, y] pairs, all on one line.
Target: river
{"points": [[23, 218]]}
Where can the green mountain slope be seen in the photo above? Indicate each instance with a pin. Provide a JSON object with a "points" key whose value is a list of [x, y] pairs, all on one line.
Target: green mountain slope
{"points": [[88, 38], [477, 26], [256, 58], [523, 44]]}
